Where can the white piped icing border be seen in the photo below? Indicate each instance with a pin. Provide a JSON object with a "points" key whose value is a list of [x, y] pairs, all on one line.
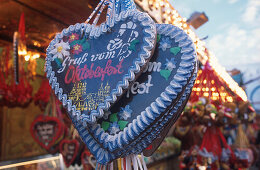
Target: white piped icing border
{"points": [[91, 31]]}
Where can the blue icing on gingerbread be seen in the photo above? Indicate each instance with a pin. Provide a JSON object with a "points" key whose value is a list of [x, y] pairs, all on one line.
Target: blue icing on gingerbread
{"points": [[125, 113], [113, 128], [165, 43], [170, 64]]}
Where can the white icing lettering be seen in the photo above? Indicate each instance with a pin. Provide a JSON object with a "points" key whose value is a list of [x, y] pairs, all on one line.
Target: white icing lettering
{"points": [[114, 44], [134, 87], [148, 84], [124, 52], [84, 58], [93, 57], [110, 54], [153, 66], [63, 65], [140, 88]]}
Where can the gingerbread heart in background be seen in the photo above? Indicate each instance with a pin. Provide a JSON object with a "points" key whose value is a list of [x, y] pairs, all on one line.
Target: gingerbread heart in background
{"points": [[171, 120], [88, 160], [156, 97], [46, 131], [89, 66], [69, 150]]}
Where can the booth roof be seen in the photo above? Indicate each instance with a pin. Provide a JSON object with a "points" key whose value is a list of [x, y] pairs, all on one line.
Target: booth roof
{"points": [[43, 18]]}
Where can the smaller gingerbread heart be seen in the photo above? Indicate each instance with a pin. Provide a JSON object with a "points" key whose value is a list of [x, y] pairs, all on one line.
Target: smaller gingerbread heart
{"points": [[69, 150], [46, 130]]}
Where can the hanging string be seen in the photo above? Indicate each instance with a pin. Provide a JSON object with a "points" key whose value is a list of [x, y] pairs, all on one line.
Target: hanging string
{"points": [[128, 4], [135, 164], [99, 12], [94, 12], [139, 162], [58, 110], [47, 110], [119, 164], [111, 167], [144, 164], [54, 113], [114, 8]]}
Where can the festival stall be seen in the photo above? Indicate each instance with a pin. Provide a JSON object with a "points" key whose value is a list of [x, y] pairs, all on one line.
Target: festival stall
{"points": [[45, 104]]}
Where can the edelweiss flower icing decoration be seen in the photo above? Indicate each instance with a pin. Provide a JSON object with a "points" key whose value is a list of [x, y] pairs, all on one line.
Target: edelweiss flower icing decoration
{"points": [[60, 50], [170, 64], [114, 128], [125, 113], [165, 43]]}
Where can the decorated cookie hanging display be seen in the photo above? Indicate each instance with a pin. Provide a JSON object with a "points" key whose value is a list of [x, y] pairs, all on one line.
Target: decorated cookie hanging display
{"points": [[88, 160], [69, 150], [156, 97], [90, 66], [47, 131]]}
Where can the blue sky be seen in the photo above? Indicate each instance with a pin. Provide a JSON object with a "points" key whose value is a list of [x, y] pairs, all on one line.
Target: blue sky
{"points": [[233, 28]]}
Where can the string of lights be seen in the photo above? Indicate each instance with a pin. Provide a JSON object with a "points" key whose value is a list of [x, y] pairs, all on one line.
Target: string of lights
{"points": [[171, 16]]}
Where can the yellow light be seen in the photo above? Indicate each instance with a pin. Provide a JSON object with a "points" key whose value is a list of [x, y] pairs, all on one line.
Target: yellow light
{"points": [[214, 98], [161, 3], [229, 99], [204, 81], [213, 89], [215, 94], [200, 48], [206, 94], [22, 52], [27, 57], [36, 55], [207, 89], [223, 94], [157, 5], [198, 89]]}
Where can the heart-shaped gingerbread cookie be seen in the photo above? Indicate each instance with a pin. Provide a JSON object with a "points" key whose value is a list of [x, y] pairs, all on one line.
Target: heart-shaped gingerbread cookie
{"points": [[90, 66], [47, 131], [155, 97]]}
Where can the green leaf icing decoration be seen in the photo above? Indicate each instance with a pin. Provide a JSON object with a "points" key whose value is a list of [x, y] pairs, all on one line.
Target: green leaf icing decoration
{"points": [[113, 117], [132, 45], [105, 125], [165, 74], [175, 50], [86, 45], [74, 43], [158, 37], [122, 124], [58, 62]]}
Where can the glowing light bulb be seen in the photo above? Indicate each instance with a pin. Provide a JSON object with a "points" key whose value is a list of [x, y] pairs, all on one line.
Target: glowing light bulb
{"points": [[27, 57]]}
